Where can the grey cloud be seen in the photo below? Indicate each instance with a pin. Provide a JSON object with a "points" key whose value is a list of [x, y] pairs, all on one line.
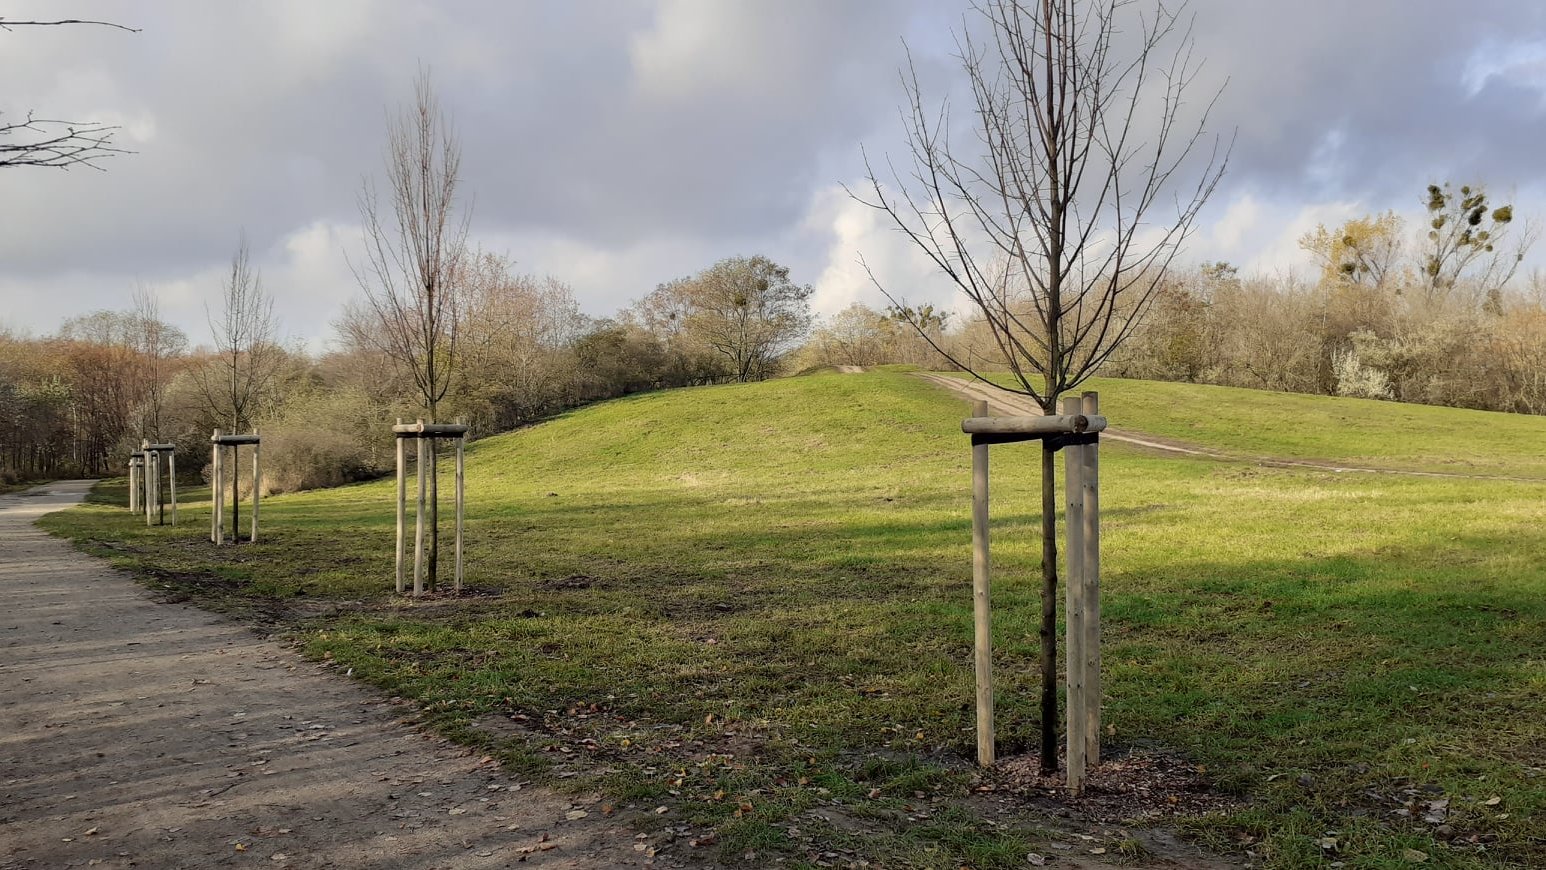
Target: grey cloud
{"points": [[1387, 76], [267, 116]]}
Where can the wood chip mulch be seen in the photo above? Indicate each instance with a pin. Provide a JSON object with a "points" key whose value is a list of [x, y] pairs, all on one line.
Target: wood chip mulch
{"points": [[1135, 786]]}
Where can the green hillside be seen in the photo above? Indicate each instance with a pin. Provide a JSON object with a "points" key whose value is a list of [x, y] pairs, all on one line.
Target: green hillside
{"points": [[1360, 432], [780, 571]]}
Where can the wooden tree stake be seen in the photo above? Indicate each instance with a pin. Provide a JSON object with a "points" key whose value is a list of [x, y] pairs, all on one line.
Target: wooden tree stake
{"points": [[418, 528], [257, 482], [461, 499], [216, 489], [1074, 609], [150, 479], [1092, 633], [402, 503], [981, 586]]}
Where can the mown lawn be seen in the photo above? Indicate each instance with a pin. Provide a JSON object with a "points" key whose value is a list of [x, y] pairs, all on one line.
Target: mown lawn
{"points": [[1359, 432], [746, 602]]}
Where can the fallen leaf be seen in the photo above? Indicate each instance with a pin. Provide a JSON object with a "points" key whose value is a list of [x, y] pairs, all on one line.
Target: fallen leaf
{"points": [[1414, 856], [574, 815], [1036, 860], [1493, 801]]}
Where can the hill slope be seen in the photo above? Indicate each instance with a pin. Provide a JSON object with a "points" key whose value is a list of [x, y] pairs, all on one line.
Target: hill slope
{"points": [[780, 571]]}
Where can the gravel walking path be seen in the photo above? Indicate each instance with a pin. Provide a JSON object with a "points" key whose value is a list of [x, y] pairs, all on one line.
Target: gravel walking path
{"points": [[138, 733]]}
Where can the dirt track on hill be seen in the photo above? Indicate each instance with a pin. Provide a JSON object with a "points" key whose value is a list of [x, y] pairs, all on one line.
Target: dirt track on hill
{"points": [[1012, 403], [137, 733]]}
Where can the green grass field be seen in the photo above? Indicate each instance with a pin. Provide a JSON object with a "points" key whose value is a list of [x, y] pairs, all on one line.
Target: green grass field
{"points": [[747, 602]]}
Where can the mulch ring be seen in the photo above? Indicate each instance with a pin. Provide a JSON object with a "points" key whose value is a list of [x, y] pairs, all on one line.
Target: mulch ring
{"points": [[1137, 785]]}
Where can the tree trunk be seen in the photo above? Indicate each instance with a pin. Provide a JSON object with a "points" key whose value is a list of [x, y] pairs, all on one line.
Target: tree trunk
{"points": [[1049, 611], [236, 496], [434, 514]]}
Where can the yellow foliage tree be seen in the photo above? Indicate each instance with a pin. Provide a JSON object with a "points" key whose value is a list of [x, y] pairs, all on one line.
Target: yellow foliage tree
{"points": [[1365, 251]]}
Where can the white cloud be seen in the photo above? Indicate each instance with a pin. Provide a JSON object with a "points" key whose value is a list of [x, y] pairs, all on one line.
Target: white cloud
{"points": [[1239, 222], [1279, 250], [604, 277], [857, 232], [691, 48], [309, 277]]}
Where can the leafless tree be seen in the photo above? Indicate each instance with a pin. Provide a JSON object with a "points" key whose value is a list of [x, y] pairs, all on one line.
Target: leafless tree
{"points": [[414, 245], [159, 344], [55, 144], [1060, 219], [247, 354]]}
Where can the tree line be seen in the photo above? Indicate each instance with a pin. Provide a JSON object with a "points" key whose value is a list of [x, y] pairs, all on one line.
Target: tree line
{"points": [[75, 402], [1435, 314]]}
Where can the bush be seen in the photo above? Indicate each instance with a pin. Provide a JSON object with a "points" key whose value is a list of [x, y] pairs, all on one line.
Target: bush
{"points": [[324, 439]]}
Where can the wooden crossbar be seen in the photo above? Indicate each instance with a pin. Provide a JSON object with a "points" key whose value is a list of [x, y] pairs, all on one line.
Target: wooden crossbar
{"points": [[429, 430], [1035, 427]]}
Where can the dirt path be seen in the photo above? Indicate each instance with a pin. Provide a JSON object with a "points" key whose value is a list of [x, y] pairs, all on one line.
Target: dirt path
{"points": [[136, 733], [1016, 404]]}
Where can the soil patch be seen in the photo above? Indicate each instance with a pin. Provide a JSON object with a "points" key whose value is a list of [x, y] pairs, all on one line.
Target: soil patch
{"points": [[1137, 786]]}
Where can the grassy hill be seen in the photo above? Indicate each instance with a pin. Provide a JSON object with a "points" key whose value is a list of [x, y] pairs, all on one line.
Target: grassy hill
{"points": [[775, 577]]}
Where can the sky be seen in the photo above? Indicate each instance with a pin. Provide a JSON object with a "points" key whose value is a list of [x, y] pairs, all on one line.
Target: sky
{"points": [[619, 144]]}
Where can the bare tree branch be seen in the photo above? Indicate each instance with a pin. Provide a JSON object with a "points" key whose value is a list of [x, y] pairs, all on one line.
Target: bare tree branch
{"points": [[57, 144], [6, 24]]}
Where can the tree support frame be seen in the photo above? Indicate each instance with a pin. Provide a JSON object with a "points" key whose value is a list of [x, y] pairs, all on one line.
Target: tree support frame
{"points": [[1075, 432]]}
